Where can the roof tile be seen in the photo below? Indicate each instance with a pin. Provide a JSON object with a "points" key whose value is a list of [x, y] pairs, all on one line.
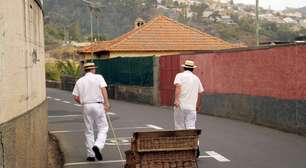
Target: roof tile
{"points": [[163, 34]]}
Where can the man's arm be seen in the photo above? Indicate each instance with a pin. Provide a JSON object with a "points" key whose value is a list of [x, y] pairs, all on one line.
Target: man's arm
{"points": [[198, 108], [177, 95], [77, 99], [200, 94], [105, 97]]}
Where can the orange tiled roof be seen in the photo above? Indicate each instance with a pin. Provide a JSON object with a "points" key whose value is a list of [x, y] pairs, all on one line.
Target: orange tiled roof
{"points": [[162, 34]]}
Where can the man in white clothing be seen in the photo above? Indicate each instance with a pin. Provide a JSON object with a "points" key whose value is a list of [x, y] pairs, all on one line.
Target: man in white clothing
{"points": [[90, 91], [187, 88]]}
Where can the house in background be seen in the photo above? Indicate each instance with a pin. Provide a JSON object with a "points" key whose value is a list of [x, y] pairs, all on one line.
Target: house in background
{"points": [[160, 36]]}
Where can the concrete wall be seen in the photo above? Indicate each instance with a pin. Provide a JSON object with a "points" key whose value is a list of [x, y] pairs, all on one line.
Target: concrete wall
{"points": [[22, 74], [24, 140], [23, 111]]}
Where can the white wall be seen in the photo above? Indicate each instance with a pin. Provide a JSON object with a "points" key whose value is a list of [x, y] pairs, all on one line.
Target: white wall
{"points": [[22, 79]]}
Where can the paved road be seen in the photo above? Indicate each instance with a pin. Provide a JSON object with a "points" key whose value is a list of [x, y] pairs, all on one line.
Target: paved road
{"points": [[224, 143]]}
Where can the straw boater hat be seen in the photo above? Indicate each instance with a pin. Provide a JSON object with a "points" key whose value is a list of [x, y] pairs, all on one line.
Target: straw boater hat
{"points": [[89, 65], [189, 64]]}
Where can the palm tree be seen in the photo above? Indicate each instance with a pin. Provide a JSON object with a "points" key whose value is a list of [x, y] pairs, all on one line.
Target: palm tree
{"points": [[69, 68]]}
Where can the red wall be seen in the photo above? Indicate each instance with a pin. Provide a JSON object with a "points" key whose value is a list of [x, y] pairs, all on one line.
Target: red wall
{"points": [[278, 72]]}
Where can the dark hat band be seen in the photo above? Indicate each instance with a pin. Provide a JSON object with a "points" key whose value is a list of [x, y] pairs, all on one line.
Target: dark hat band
{"points": [[89, 67]]}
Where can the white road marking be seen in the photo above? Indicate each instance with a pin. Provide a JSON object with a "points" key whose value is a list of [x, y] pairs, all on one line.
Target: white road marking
{"points": [[211, 154], [121, 138], [154, 127], [78, 105], [114, 144], [125, 141], [203, 157], [119, 141], [111, 113], [49, 97], [92, 163], [217, 156], [131, 128], [113, 141], [75, 131], [64, 116]]}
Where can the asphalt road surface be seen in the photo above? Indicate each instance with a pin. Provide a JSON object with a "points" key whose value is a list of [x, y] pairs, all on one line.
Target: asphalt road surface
{"points": [[224, 143]]}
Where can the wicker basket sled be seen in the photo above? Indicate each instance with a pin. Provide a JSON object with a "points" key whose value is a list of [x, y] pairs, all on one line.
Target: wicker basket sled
{"points": [[163, 149]]}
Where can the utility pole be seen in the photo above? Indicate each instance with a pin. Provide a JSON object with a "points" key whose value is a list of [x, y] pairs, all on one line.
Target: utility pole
{"points": [[257, 24], [92, 6], [91, 33], [98, 30]]}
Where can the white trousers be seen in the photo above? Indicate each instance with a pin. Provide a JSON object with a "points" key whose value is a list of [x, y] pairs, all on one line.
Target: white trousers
{"points": [[184, 119], [94, 113]]}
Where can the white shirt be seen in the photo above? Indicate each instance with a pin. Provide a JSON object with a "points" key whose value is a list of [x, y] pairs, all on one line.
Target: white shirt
{"points": [[191, 86], [88, 88]]}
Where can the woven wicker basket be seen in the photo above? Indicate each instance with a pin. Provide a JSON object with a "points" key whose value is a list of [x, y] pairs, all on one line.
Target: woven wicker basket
{"points": [[173, 159], [165, 140]]}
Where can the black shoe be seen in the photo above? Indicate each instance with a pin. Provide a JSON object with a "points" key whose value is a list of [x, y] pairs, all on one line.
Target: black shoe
{"points": [[90, 159], [198, 153], [97, 153]]}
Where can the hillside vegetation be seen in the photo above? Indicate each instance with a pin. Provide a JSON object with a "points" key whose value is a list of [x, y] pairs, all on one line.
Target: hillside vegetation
{"points": [[70, 20]]}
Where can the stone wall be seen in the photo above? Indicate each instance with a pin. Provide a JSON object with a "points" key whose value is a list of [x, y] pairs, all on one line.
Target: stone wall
{"points": [[137, 94], [287, 115]]}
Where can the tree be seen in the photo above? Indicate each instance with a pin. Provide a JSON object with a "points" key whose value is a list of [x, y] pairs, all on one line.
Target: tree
{"points": [[167, 3], [198, 9], [69, 68], [247, 24], [75, 31], [176, 4]]}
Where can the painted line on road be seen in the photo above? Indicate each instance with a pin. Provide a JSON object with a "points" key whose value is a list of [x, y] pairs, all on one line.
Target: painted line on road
{"points": [[203, 157], [111, 113], [78, 105], [119, 141], [75, 131], [64, 116], [154, 127], [217, 156], [92, 163], [211, 154], [119, 138], [114, 144], [49, 97]]}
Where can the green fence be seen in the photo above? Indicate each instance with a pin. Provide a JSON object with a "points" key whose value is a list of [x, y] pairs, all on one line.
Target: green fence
{"points": [[128, 71]]}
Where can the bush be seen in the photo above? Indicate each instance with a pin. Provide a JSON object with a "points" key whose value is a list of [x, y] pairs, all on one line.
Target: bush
{"points": [[69, 68], [52, 72]]}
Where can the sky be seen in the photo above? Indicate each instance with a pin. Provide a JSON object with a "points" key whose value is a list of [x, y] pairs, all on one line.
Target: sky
{"points": [[275, 4]]}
